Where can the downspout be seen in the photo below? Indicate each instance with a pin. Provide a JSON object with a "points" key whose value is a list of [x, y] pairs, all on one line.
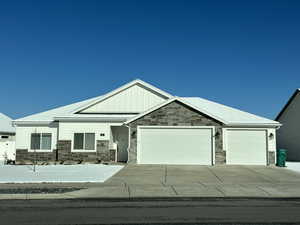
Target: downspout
{"points": [[129, 140]]}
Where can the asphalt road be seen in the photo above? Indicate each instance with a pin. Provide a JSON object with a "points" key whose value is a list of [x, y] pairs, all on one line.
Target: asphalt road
{"points": [[205, 211]]}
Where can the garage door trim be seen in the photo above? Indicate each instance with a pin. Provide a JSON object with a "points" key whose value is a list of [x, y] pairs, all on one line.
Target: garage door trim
{"points": [[225, 139], [212, 128]]}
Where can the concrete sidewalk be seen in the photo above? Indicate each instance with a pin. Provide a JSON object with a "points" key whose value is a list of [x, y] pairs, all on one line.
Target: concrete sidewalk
{"points": [[159, 181]]}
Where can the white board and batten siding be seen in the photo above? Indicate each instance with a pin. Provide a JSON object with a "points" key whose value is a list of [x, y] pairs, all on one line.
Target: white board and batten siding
{"points": [[102, 131], [175, 145], [248, 146], [23, 136], [134, 99]]}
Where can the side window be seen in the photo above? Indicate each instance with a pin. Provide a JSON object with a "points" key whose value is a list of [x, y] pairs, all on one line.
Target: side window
{"points": [[35, 141], [84, 141], [41, 141]]}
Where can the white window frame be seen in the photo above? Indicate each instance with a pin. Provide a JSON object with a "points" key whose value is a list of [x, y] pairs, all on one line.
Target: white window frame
{"points": [[41, 150], [83, 150]]}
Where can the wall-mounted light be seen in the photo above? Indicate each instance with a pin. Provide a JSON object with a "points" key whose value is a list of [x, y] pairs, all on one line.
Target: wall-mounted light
{"points": [[217, 134], [133, 134], [271, 135]]}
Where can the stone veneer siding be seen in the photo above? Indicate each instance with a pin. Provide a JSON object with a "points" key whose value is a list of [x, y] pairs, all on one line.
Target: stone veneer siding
{"points": [[24, 155], [176, 114], [102, 153], [271, 158]]}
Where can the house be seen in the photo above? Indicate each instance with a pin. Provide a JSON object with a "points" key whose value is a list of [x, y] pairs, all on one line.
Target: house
{"points": [[139, 123], [288, 135], [7, 138]]}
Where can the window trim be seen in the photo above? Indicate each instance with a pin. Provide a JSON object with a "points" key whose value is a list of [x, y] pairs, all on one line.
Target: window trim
{"points": [[83, 150], [41, 150]]}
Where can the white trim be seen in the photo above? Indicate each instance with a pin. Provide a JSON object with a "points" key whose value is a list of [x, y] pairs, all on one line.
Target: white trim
{"points": [[41, 150], [91, 119], [83, 150], [172, 100], [251, 129], [118, 90], [37, 150], [31, 122], [213, 155]]}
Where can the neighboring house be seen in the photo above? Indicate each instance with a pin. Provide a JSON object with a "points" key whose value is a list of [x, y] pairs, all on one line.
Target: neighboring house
{"points": [[288, 135], [7, 138], [139, 123]]}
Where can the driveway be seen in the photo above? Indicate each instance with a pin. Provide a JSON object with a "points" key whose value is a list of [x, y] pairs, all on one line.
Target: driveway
{"points": [[206, 181], [161, 181]]}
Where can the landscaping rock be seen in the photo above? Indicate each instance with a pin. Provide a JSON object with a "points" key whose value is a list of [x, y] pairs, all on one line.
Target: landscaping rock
{"points": [[69, 162]]}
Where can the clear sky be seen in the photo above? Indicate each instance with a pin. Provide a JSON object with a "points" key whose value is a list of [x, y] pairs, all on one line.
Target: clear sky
{"points": [[244, 54]]}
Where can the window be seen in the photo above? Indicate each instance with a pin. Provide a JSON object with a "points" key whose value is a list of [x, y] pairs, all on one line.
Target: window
{"points": [[41, 141], [84, 141]]}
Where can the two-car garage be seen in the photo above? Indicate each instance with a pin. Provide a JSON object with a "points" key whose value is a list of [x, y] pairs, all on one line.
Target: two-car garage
{"points": [[196, 145], [175, 145]]}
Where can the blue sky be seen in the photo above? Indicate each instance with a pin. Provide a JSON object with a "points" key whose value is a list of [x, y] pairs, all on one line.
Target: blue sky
{"points": [[244, 54]]}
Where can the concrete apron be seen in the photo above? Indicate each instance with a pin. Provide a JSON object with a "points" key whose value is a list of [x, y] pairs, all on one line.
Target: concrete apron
{"points": [[166, 182]]}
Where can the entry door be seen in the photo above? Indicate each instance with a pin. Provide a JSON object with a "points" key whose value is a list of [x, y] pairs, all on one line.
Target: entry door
{"points": [[246, 147], [175, 145], [120, 137]]}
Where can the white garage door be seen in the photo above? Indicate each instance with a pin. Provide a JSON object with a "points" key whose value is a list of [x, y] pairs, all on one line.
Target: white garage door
{"points": [[175, 145], [246, 147]]}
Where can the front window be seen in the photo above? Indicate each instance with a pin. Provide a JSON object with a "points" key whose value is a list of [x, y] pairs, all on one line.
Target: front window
{"points": [[41, 141], [84, 141]]}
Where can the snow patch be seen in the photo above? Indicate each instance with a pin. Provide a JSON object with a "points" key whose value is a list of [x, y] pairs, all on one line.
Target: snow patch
{"points": [[295, 166], [57, 173]]}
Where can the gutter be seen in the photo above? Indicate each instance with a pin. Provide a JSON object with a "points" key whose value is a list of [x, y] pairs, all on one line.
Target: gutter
{"points": [[90, 119], [277, 125], [46, 122]]}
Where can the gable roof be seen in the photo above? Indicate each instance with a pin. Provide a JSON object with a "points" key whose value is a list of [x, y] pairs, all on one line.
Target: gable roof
{"points": [[168, 102], [225, 114], [69, 111], [232, 116], [122, 88], [6, 124], [287, 104], [48, 116]]}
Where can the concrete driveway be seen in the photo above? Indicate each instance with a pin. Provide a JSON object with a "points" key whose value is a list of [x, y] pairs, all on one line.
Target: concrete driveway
{"points": [[207, 181], [161, 181]]}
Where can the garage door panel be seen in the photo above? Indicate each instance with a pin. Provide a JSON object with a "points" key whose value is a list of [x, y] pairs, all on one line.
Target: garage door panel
{"points": [[175, 146], [246, 147]]}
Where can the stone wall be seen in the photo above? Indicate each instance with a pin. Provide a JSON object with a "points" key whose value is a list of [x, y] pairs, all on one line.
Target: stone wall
{"points": [[103, 153], [176, 114], [271, 158], [23, 155]]}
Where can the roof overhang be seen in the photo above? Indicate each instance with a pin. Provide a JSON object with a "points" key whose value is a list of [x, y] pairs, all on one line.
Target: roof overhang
{"points": [[92, 119], [28, 122], [256, 125]]}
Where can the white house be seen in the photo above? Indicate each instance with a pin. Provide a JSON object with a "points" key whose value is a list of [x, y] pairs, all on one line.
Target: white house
{"points": [[7, 138], [139, 123], [288, 135]]}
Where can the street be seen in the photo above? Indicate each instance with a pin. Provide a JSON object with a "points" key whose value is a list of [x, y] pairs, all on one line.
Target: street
{"points": [[185, 211]]}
